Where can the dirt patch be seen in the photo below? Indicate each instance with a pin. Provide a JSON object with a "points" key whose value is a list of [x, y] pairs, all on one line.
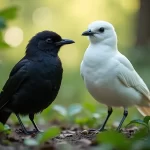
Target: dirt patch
{"points": [[69, 139]]}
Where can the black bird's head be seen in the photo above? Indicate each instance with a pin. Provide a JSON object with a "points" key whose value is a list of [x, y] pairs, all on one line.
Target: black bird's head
{"points": [[46, 41]]}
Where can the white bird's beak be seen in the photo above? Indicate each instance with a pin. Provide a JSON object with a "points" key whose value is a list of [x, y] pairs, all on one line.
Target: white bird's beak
{"points": [[88, 33]]}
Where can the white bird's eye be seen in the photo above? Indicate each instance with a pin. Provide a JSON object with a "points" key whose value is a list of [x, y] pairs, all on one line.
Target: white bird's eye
{"points": [[101, 29], [48, 40]]}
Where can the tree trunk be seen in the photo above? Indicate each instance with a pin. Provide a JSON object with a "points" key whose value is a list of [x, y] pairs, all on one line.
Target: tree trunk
{"points": [[143, 27]]}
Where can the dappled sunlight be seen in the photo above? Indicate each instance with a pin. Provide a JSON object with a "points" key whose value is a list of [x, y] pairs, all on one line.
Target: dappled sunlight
{"points": [[14, 36], [69, 19], [83, 95], [42, 16], [132, 7]]}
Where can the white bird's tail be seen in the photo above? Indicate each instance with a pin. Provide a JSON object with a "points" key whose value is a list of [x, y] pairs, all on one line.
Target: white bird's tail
{"points": [[145, 111]]}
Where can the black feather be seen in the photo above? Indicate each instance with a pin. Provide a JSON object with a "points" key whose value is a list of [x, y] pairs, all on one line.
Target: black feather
{"points": [[35, 80]]}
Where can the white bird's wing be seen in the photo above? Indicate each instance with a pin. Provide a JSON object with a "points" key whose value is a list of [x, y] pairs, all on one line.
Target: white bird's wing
{"points": [[81, 71], [129, 77]]}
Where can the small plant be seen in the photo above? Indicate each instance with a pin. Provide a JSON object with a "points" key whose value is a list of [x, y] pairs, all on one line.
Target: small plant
{"points": [[69, 112], [118, 141], [4, 129], [43, 137], [144, 122]]}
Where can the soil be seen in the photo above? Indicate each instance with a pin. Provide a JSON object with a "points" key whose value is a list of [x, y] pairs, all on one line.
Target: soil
{"points": [[71, 138]]}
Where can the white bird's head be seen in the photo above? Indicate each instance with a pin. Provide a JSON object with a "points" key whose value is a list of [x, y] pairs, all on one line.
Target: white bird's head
{"points": [[101, 32]]}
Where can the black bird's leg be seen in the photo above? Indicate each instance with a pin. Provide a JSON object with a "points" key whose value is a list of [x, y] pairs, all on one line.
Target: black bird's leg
{"points": [[31, 117], [23, 127], [110, 110], [125, 114]]}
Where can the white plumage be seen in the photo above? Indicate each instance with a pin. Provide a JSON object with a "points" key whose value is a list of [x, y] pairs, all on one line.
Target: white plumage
{"points": [[108, 75]]}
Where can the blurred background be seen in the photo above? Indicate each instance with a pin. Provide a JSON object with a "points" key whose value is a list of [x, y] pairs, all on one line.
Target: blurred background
{"points": [[21, 19]]}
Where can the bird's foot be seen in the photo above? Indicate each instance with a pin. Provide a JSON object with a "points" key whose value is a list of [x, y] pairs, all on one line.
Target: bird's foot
{"points": [[93, 131], [102, 130], [119, 130], [38, 131], [19, 131]]}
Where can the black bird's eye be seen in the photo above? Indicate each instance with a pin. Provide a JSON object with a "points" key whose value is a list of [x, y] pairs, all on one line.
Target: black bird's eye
{"points": [[101, 29], [48, 40]]}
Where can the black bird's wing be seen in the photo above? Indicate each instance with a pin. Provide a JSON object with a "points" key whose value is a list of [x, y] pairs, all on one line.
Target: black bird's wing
{"points": [[16, 78]]}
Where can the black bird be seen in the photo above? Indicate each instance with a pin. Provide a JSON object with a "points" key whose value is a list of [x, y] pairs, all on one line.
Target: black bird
{"points": [[35, 80]]}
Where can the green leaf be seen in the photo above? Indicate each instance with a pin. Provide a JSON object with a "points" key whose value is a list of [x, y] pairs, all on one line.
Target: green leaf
{"points": [[3, 45], [48, 134], [60, 109], [1, 36], [96, 115], [74, 109], [1, 127], [31, 142], [146, 119], [89, 106], [2, 23], [6, 127], [142, 133], [138, 121], [142, 144], [117, 140], [81, 120], [9, 13]]}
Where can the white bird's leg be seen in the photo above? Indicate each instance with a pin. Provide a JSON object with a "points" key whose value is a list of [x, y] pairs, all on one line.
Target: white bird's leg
{"points": [[110, 110], [125, 114]]}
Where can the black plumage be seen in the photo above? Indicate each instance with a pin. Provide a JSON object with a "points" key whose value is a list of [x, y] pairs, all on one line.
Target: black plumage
{"points": [[35, 80]]}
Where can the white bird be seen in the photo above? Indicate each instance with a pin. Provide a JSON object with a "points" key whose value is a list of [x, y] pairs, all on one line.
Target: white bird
{"points": [[109, 76]]}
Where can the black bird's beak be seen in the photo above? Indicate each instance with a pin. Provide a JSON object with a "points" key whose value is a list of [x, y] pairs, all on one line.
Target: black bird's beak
{"points": [[64, 41], [88, 33]]}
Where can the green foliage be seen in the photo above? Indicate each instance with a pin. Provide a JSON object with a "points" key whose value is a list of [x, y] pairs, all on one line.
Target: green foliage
{"points": [[72, 110], [5, 129], [144, 122], [114, 140], [146, 119], [60, 109], [48, 134], [139, 122], [2, 23], [43, 137], [6, 15], [87, 113], [141, 134], [9, 13], [2, 43], [78, 114], [139, 141]]}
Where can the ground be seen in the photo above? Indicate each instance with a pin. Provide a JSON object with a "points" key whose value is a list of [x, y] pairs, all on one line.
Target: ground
{"points": [[71, 138]]}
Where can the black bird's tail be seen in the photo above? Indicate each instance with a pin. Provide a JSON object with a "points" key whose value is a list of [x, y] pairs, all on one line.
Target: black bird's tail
{"points": [[4, 115]]}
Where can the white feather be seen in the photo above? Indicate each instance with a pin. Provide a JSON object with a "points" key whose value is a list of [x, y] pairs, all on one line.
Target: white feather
{"points": [[108, 75]]}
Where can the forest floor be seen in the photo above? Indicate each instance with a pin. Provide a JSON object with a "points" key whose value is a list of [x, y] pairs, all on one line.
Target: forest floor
{"points": [[72, 138]]}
